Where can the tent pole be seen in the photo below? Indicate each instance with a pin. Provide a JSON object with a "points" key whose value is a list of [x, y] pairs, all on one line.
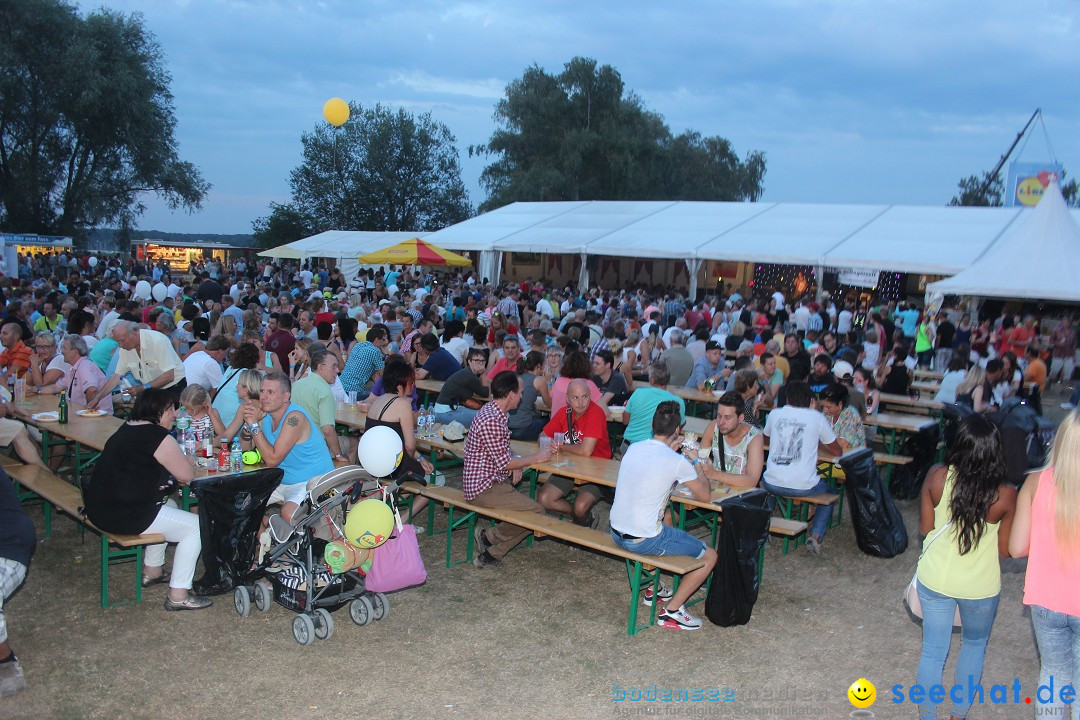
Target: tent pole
{"points": [[694, 266], [583, 276], [819, 275]]}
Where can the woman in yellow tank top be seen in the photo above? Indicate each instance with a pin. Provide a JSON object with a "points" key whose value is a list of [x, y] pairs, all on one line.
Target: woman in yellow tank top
{"points": [[967, 503]]}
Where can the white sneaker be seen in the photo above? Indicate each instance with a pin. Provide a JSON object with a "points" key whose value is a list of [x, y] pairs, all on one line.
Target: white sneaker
{"points": [[11, 678], [1067, 406], [679, 619], [813, 545], [665, 594]]}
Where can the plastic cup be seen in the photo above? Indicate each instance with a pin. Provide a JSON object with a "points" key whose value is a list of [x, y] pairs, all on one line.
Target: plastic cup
{"points": [[545, 442]]}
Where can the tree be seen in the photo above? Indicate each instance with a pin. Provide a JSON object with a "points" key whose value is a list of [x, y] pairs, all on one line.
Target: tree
{"points": [[581, 136], [86, 121], [382, 170], [986, 191], [285, 224]]}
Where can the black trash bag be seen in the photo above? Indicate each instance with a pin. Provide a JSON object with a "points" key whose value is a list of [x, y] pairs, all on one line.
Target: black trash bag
{"points": [[954, 413], [231, 509], [1026, 438], [879, 527], [743, 531], [907, 479]]}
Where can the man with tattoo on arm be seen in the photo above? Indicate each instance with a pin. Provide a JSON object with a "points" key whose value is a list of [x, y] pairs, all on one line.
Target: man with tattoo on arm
{"points": [[285, 437]]}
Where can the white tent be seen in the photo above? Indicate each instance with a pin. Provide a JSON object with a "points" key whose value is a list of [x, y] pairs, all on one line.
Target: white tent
{"points": [[1038, 259], [932, 240], [344, 246]]}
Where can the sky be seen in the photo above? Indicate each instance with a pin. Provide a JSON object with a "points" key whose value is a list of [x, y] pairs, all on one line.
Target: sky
{"points": [[852, 101]]}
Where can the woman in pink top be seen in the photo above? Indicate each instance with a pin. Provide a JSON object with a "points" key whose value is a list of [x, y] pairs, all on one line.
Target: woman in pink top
{"points": [[1047, 530], [575, 365]]}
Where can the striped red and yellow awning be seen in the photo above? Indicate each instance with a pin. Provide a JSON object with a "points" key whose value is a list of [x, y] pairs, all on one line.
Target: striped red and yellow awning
{"points": [[413, 252]]}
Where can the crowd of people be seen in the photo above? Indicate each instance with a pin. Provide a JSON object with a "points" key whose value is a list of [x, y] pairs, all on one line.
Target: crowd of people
{"points": [[266, 352]]}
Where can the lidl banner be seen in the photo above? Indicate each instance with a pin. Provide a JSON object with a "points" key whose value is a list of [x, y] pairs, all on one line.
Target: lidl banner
{"points": [[1027, 181]]}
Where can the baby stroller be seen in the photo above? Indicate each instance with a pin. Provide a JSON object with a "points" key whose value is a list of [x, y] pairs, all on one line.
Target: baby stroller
{"points": [[293, 572]]}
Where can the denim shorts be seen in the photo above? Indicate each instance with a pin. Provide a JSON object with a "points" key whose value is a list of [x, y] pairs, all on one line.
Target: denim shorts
{"points": [[670, 541]]}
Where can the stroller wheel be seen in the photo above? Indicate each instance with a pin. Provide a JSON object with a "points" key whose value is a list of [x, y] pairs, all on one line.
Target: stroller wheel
{"points": [[242, 601], [303, 629], [381, 603], [263, 595], [324, 624], [360, 611]]}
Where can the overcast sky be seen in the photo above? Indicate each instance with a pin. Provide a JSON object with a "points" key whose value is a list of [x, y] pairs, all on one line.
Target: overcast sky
{"points": [[873, 101]]}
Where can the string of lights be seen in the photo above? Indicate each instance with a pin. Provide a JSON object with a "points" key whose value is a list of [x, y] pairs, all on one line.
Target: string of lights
{"points": [[798, 280]]}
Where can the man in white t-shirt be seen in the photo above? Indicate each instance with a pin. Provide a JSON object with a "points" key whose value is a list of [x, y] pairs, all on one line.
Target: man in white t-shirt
{"points": [[843, 320], [649, 470], [801, 317], [795, 432], [305, 277], [203, 367]]}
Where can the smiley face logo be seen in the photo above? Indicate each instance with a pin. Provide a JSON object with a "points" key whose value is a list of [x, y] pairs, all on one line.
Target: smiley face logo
{"points": [[862, 693]]}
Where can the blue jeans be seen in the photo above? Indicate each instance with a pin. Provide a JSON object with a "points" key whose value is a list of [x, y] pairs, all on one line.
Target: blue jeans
{"points": [[530, 431], [822, 513], [1058, 636], [461, 414], [670, 541], [1075, 399], [977, 617]]}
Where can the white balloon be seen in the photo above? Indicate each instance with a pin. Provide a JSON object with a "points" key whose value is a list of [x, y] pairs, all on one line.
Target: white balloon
{"points": [[379, 451], [159, 291], [92, 262], [142, 290]]}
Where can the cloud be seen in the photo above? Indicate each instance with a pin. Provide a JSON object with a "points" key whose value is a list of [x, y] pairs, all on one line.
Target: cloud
{"points": [[851, 100], [424, 83]]}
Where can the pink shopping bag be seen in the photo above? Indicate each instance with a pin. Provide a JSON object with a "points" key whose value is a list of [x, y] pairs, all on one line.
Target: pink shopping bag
{"points": [[397, 563]]}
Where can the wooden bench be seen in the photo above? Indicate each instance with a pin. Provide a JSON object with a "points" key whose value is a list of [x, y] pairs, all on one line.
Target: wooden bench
{"points": [[684, 518], [640, 568], [798, 508], [65, 497]]}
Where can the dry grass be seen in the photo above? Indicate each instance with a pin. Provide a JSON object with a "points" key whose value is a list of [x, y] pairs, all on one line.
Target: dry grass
{"points": [[542, 635]]}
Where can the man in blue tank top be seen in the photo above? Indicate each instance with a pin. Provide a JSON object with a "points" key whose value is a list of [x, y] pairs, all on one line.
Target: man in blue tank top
{"points": [[286, 437]]}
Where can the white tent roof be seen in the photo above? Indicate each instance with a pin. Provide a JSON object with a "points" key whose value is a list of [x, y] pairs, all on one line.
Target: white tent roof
{"points": [[933, 240], [1039, 258], [345, 244]]}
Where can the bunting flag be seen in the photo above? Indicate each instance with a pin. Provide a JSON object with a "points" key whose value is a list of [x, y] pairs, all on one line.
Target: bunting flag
{"points": [[680, 269], [554, 262]]}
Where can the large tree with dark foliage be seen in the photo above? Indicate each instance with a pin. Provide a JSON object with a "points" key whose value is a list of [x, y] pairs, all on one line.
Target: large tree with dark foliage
{"points": [[381, 170], [580, 135], [86, 120]]}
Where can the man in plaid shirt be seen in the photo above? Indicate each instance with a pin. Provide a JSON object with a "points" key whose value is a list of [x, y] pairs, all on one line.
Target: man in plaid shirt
{"points": [[491, 472], [509, 306], [365, 361]]}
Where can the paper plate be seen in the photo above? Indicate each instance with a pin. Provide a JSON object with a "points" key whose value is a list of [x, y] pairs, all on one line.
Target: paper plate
{"points": [[91, 413], [46, 416]]}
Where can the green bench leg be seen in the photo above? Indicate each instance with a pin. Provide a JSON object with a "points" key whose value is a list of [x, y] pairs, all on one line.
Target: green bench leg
{"points": [[636, 573], [113, 557], [468, 520]]}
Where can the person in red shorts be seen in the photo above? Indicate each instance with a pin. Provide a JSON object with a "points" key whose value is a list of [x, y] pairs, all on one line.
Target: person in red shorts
{"points": [[584, 425]]}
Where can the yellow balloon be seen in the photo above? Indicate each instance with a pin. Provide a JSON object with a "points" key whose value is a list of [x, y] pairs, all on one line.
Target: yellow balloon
{"points": [[336, 111], [369, 524]]}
